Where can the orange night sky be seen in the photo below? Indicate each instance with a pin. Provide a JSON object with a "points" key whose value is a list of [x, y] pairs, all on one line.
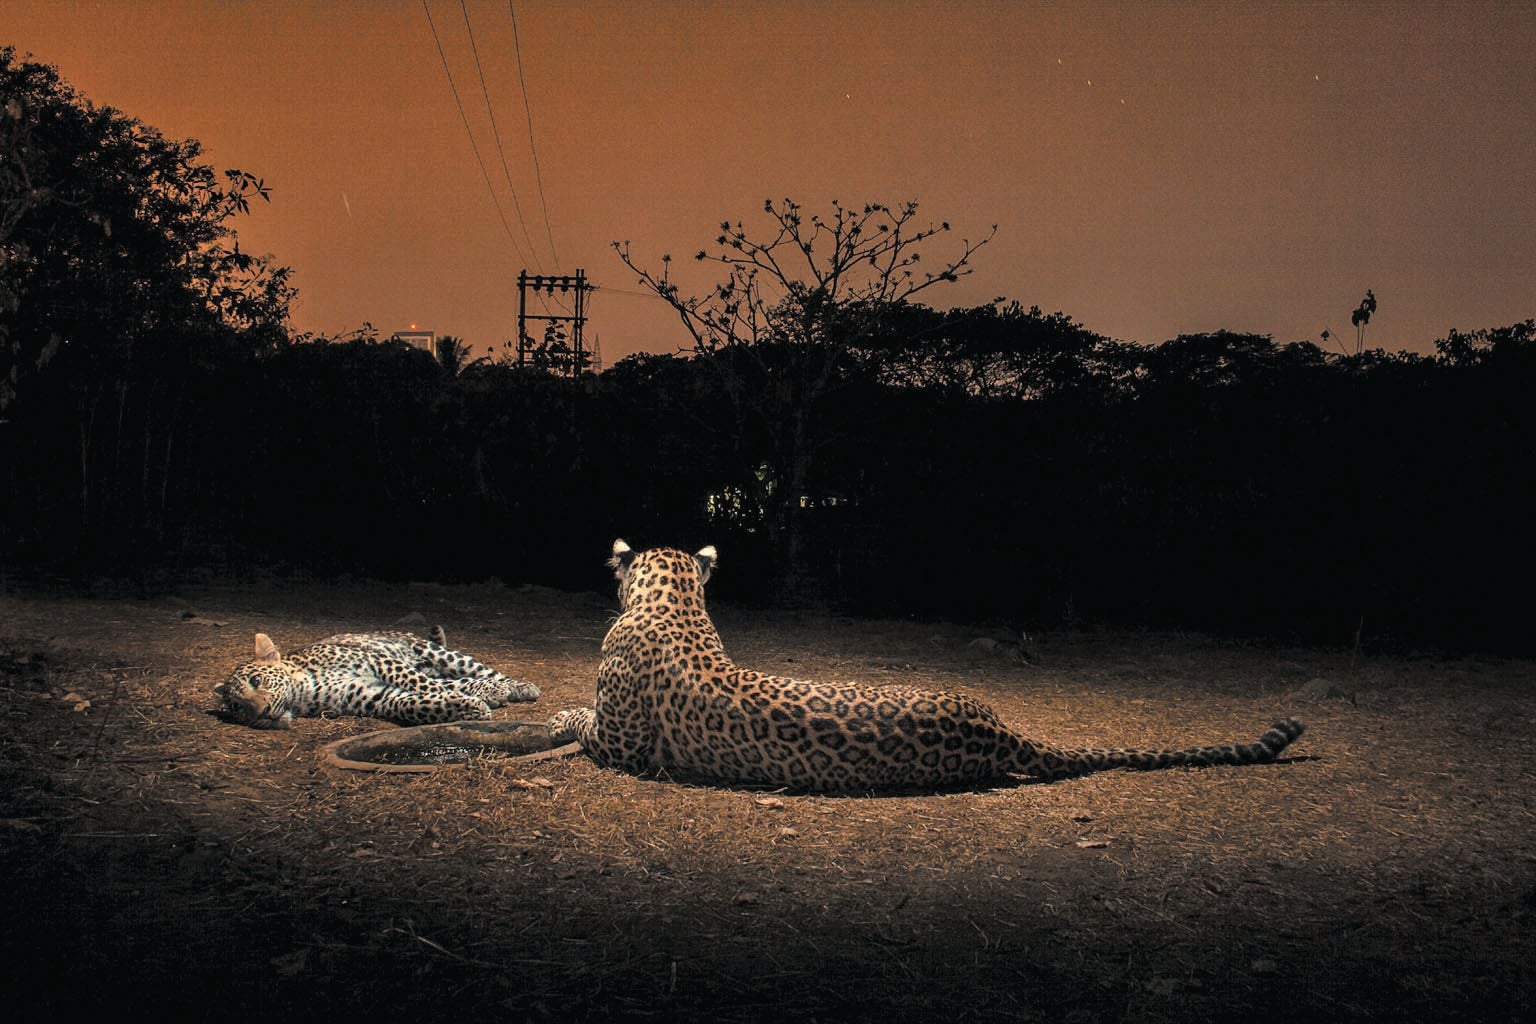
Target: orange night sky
{"points": [[1154, 168]]}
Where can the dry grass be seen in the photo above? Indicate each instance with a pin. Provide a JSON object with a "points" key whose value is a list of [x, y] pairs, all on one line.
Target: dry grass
{"points": [[158, 854]]}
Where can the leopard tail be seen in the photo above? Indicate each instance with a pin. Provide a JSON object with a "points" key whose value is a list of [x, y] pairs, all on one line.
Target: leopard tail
{"points": [[1043, 761]]}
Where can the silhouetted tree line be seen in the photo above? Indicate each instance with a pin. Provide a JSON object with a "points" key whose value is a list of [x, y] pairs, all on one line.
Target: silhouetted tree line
{"points": [[994, 464]]}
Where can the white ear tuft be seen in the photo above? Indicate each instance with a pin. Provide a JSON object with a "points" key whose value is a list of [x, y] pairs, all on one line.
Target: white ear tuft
{"points": [[707, 559], [622, 556]]}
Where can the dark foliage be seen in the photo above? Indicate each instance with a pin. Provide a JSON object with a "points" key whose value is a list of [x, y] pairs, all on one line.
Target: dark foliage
{"points": [[1233, 485]]}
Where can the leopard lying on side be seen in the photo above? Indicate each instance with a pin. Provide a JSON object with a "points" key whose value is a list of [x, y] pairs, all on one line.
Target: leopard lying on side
{"points": [[668, 698], [390, 675]]}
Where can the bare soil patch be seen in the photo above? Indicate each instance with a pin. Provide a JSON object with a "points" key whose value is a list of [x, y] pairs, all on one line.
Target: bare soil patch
{"points": [[155, 855]]}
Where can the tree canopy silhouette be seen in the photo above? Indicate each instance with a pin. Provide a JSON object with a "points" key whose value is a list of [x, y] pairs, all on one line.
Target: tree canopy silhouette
{"points": [[123, 290], [113, 236]]}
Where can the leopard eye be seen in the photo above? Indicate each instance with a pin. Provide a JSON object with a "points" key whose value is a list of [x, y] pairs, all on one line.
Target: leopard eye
{"points": [[254, 682]]}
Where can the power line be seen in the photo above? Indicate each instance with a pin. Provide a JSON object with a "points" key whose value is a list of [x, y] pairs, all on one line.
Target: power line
{"points": [[496, 133], [528, 112], [470, 132], [625, 291]]}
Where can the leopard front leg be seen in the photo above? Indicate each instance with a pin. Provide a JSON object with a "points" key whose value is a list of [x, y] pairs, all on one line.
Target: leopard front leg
{"points": [[619, 731], [456, 669], [430, 705], [577, 725], [496, 689], [608, 746]]}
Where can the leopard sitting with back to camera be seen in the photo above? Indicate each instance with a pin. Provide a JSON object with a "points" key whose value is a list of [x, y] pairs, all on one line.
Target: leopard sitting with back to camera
{"points": [[669, 699], [391, 675]]}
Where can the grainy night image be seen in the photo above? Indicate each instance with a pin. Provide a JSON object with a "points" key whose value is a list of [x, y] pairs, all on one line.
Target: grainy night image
{"points": [[725, 512]]}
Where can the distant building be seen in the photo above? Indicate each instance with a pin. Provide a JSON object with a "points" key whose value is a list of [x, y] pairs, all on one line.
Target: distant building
{"points": [[424, 340]]}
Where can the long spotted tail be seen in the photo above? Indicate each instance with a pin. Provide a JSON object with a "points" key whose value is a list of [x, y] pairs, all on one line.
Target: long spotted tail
{"points": [[1046, 762]]}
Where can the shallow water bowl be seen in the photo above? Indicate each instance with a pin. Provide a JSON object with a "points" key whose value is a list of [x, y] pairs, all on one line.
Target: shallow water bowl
{"points": [[426, 748]]}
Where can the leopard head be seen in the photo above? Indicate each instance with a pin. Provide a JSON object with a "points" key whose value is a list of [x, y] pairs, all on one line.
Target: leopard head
{"points": [[660, 571], [251, 694]]}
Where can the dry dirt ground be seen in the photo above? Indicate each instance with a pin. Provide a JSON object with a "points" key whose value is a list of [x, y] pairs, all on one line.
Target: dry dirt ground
{"points": [[158, 859]]}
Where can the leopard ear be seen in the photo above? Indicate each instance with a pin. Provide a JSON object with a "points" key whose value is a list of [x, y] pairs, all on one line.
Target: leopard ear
{"points": [[623, 554], [266, 650], [707, 559]]}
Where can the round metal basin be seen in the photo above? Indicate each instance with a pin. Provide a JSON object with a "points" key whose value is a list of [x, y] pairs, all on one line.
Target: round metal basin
{"points": [[426, 748]]}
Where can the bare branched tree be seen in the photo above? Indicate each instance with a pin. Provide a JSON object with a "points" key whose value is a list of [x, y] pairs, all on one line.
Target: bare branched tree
{"points": [[796, 283], [798, 308]]}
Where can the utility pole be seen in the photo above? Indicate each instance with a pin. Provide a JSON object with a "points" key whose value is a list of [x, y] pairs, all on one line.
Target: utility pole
{"points": [[553, 352]]}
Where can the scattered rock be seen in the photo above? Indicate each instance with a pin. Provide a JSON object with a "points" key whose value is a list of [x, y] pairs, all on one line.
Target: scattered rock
{"points": [[1319, 688], [991, 647]]}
